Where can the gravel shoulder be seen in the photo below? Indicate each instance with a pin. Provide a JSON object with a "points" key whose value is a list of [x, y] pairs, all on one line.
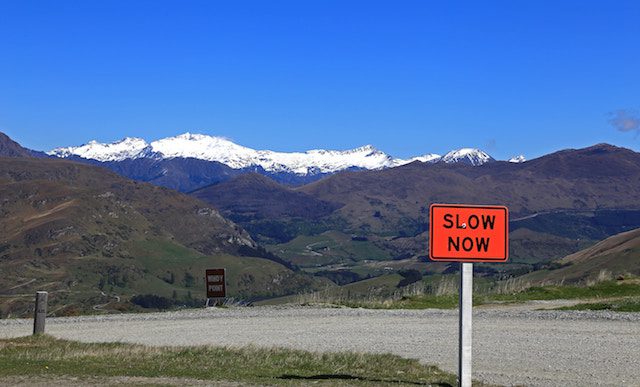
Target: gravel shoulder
{"points": [[512, 346]]}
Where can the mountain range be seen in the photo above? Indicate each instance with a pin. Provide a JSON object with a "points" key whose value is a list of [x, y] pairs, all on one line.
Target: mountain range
{"points": [[559, 204], [222, 150], [78, 227], [191, 161]]}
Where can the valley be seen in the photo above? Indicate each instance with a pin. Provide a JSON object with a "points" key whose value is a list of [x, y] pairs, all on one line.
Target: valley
{"points": [[94, 238]]}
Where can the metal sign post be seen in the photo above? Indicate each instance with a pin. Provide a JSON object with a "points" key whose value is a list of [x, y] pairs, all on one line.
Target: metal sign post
{"points": [[466, 234], [465, 324]]}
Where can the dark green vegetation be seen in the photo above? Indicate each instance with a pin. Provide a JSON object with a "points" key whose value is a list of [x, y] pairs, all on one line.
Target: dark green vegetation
{"points": [[253, 196], [44, 356], [409, 302]]}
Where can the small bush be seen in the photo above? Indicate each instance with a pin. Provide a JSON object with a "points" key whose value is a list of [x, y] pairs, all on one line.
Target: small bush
{"points": [[152, 301], [410, 276]]}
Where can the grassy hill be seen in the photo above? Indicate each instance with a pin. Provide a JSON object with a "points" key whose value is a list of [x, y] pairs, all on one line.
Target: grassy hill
{"points": [[328, 248], [614, 256], [89, 236]]}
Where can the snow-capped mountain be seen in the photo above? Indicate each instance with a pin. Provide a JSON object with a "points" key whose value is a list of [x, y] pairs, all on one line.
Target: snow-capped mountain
{"points": [[471, 156], [517, 159], [236, 156], [281, 165], [190, 161], [127, 148], [222, 150]]}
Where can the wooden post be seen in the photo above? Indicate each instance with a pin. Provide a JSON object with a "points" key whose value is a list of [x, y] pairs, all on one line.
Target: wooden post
{"points": [[40, 313]]}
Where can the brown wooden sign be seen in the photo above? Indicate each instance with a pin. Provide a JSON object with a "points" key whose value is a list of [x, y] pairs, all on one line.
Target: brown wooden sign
{"points": [[216, 287]]}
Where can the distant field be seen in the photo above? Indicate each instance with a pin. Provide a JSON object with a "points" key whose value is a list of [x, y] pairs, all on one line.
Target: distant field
{"points": [[328, 248], [247, 276]]}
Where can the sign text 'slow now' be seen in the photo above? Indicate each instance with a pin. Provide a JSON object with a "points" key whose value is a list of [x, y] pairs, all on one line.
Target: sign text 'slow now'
{"points": [[468, 233]]}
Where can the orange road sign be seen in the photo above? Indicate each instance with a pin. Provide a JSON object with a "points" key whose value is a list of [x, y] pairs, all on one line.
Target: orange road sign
{"points": [[468, 233]]}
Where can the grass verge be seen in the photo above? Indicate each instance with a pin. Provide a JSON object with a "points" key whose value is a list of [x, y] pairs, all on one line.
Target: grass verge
{"points": [[408, 302], [44, 356], [605, 289], [622, 296], [623, 305]]}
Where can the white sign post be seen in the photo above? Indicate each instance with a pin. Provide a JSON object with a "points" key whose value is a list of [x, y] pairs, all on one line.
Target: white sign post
{"points": [[467, 233], [465, 325]]}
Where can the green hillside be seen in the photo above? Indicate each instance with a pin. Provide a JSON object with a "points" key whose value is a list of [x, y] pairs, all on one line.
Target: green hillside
{"points": [[91, 237]]}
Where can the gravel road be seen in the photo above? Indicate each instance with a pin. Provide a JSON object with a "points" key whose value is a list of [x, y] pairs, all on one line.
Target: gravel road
{"points": [[511, 346]]}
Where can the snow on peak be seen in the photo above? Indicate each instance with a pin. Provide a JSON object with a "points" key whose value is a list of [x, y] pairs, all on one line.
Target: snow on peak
{"points": [[427, 158], [326, 161], [517, 159], [222, 150], [127, 148], [203, 147], [471, 156], [225, 151]]}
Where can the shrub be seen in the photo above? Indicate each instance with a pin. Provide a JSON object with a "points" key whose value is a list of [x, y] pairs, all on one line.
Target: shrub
{"points": [[410, 276]]}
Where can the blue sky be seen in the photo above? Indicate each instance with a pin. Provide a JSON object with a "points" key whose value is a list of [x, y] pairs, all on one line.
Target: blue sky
{"points": [[409, 77]]}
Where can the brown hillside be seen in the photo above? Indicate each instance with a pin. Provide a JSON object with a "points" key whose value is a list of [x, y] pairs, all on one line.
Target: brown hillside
{"points": [[257, 197], [55, 207], [616, 255], [93, 239], [598, 177], [79, 232], [10, 148], [616, 245]]}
